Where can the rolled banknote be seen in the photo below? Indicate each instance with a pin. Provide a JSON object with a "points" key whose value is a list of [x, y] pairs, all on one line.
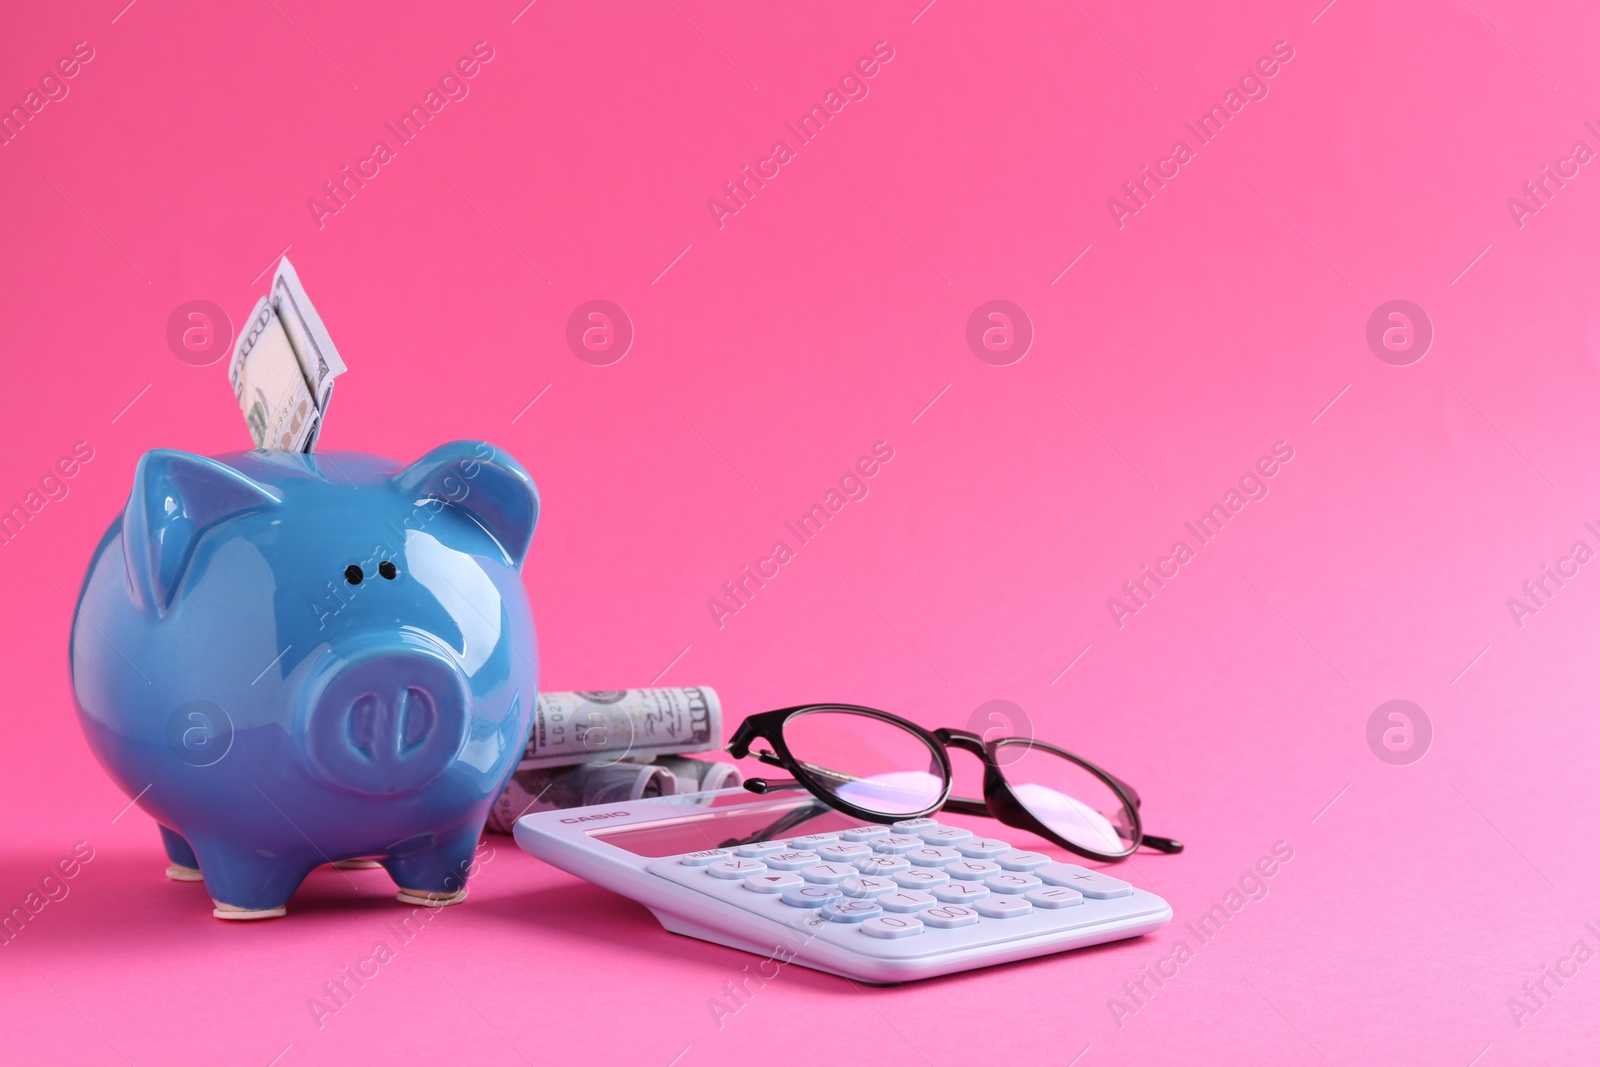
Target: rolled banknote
{"points": [[700, 775], [608, 726], [576, 787]]}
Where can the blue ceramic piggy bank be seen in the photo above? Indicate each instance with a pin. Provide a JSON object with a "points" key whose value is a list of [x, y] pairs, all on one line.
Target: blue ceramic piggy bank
{"points": [[291, 660]]}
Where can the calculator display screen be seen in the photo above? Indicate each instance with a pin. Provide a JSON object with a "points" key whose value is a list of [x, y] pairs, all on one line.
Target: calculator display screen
{"points": [[724, 822]]}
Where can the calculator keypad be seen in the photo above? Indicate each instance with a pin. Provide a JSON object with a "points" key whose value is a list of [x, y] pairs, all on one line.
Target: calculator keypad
{"points": [[917, 886]]}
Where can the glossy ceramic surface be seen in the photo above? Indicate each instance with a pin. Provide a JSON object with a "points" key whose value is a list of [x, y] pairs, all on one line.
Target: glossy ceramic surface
{"points": [[297, 659]]}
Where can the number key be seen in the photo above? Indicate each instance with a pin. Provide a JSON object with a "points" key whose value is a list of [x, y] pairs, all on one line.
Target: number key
{"points": [[959, 892], [892, 926], [1012, 882], [906, 900], [828, 873], [878, 863], [948, 916], [971, 870]]}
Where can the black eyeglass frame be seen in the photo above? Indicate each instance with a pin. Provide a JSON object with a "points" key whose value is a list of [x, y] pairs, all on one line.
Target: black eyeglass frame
{"points": [[999, 802]]}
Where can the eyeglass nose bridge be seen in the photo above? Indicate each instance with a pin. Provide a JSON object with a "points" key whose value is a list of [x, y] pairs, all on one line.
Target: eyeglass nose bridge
{"points": [[963, 740]]}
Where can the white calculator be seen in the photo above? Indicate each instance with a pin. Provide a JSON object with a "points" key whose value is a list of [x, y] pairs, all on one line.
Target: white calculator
{"points": [[785, 876]]}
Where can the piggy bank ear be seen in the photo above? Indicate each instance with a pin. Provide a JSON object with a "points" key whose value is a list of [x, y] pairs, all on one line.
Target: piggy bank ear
{"points": [[483, 481], [175, 497]]}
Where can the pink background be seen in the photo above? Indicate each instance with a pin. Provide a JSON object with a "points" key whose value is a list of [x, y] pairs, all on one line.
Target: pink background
{"points": [[823, 317]]}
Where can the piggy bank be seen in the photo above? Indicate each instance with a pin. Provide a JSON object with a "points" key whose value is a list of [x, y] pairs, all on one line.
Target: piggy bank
{"points": [[289, 660]]}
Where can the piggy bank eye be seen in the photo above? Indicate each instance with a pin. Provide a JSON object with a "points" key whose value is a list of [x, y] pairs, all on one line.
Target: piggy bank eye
{"points": [[387, 570], [353, 575]]}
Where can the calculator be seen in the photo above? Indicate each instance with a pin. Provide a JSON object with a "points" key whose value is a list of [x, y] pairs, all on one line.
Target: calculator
{"points": [[785, 876]]}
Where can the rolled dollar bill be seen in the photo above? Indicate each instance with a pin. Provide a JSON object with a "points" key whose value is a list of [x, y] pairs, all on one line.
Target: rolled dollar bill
{"points": [[576, 787], [608, 726], [700, 775]]}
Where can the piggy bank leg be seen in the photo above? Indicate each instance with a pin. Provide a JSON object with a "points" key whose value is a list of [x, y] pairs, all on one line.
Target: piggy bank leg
{"points": [[244, 884], [182, 866], [434, 876]]}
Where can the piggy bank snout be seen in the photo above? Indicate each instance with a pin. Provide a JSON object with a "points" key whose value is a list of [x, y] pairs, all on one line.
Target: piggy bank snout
{"points": [[387, 721]]}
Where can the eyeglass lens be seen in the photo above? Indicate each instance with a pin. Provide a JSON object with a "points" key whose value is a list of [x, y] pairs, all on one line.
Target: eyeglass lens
{"points": [[1075, 804], [865, 761]]}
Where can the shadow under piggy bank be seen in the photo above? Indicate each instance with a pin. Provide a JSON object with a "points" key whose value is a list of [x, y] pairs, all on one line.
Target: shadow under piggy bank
{"points": [[291, 660]]}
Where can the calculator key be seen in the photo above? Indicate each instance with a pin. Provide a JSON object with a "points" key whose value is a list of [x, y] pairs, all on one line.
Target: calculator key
{"points": [[921, 878], [866, 833], [851, 911], [735, 868], [866, 885], [943, 835], [828, 873], [1054, 896], [971, 870], [912, 826], [844, 851], [774, 881], [896, 843], [1012, 882], [949, 915], [959, 892], [757, 849], [932, 856], [1003, 907], [1022, 861], [810, 895], [889, 927], [981, 848], [878, 863], [1089, 883], [704, 857], [906, 900], [810, 842], [791, 861]]}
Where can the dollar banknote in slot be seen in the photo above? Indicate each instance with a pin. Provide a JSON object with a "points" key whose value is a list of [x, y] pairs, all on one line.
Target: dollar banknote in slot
{"points": [[284, 366], [269, 385], [319, 360]]}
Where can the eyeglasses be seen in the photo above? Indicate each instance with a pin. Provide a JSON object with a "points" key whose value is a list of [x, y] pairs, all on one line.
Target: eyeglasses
{"points": [[878, 767]]}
